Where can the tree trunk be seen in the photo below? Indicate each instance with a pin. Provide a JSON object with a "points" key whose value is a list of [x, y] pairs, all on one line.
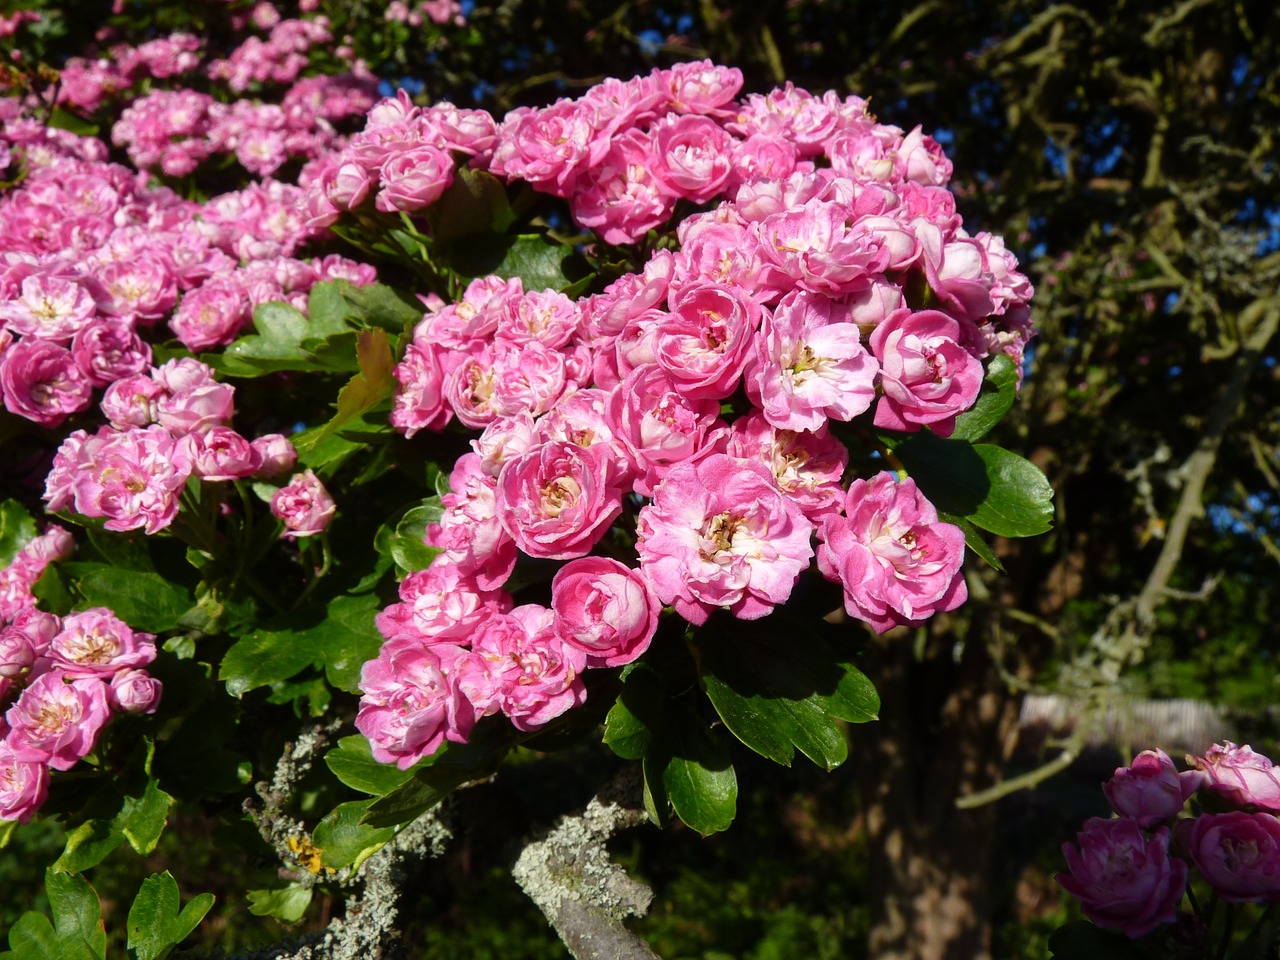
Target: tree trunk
{"points": [[944, 724]]}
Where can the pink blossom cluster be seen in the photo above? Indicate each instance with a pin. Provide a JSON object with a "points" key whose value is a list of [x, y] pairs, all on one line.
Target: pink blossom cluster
{"points": [[438, 12], [699, 394], [1130, 872], [17, 579], [279, 59], [95, 259], [177, 130], [63, 679], [164, 427], [87, 83]]}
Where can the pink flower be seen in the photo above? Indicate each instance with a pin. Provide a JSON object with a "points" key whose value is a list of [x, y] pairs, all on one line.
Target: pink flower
{"points": [[212, 315], [24, 785], [704, 344], [413, 179], [191, 401], [555, 500], [519, 667], [693, 156], [719, 534], [25, 640], [807, 467], [41, 382], [470, 533], [304, 505], [810, 365], [132, 477], [410, 703], [927, 376], [108, 350], [604, 609], [276, 454], [57, 720], [222, 454], [134, 691], [1123, 880], [441, 604], [1237, 853], [1240, 776], [1151, 789], [897, 562], [97, 643]]}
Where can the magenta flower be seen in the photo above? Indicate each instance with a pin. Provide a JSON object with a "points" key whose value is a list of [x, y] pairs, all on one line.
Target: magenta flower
{"points": [[57, 720], [40, 381], [719, 534], [1237, 853], [97, 643], [1123, 880], [24, 785], [1151, 789]]}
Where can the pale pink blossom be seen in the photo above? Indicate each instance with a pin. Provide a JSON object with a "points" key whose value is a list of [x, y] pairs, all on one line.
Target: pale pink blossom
{"points": [[57, 720], [1240, 776], [97, 643], [897, 562], [927, 377], [303, 505], [719, 534], [24, 785], [40, 381], [134, 691], [555, 500]]}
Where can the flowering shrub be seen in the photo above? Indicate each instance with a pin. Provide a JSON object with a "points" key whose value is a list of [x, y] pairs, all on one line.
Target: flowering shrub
{"points": [[1130, 873], [666, 382]]}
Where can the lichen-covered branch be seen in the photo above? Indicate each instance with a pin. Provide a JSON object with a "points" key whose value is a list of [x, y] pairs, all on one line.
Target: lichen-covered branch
{"points": [[583, 894]]}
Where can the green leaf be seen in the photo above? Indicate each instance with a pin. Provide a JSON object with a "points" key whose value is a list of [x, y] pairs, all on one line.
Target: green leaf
{"points": [[999, 390], [141, 821], [1081, 940], [377, 305], [537, 260], [287, 904], [629, 727], [155, 925], [145, 601], [60, 119], [344, 840], [351, 761], [374, 383], [437, 776], [16, 530], [408, 549], [776, 694], [279, 343], [696, 774], [973, 540], [342, 640], [989, 486], [32, 938], [51, 591], [77, 914]]}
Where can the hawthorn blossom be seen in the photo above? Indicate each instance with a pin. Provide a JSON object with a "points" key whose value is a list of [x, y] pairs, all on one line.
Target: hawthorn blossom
{"points": [[719, 534]]}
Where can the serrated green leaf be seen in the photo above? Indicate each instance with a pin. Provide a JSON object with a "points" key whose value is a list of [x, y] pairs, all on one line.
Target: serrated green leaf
{"points": [[77, 914], [51, 591], [155, 925], [287, 904], [344, 840], [989, 486], [32, 938], [342, 640], [142, 819], [278, 344], [776, 694], [377, 305], [696, 774], [17, 528], [629, 727], [351, 761], [999, 389], [407, 546], [145, 601], [374, 383], [88, 845], [537, 260]]}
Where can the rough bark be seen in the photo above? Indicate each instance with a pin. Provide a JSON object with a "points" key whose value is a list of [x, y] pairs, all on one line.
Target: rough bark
{"points": [[942, 732]]}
